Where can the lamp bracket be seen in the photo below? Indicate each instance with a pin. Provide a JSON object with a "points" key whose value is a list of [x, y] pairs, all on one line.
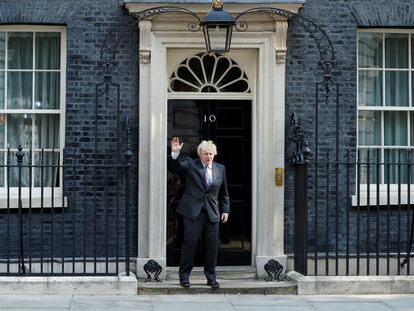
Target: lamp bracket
{"points": [[327, 62], [192, 26], [326, 50]]}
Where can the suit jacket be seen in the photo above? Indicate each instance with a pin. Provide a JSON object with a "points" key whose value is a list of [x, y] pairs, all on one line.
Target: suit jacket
{"points": [[197, 195]]}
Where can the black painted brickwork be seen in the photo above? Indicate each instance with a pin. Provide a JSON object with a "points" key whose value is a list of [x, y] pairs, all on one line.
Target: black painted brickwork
{"points": [[340, 19], [88, 22]]}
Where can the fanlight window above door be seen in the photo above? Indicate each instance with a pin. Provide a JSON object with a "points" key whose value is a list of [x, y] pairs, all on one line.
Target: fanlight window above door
{"points": [[209, 73]]}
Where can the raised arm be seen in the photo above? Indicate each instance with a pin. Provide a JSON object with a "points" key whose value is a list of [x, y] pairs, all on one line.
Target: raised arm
{"points": [[174, 164], [176, 146]]}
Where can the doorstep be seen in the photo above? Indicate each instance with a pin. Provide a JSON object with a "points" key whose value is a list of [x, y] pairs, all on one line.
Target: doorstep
{"points": [[233, 280]]}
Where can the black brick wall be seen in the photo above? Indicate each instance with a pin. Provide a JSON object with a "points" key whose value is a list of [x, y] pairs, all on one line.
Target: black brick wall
{"points": [[88, 23], [340, 20]]}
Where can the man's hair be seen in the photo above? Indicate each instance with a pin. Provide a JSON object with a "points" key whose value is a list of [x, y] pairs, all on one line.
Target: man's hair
{"points": [[207, 145]]}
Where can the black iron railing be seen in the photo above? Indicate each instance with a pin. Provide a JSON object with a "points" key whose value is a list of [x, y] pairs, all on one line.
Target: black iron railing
{"points": [[66, 217], [355, 216]]}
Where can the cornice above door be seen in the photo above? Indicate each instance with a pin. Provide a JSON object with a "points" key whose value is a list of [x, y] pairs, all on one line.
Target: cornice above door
{"points": [[179, 22]]}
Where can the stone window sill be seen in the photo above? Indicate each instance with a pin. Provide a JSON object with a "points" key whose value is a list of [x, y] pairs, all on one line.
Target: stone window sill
{"points": [[393, 199], [36, 199]]}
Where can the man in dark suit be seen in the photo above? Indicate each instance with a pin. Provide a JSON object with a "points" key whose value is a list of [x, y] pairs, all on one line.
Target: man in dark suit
{"points": [[204, 204]]}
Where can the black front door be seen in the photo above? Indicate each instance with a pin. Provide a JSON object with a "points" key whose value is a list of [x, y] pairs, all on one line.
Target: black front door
{"points": [[228, 124]]}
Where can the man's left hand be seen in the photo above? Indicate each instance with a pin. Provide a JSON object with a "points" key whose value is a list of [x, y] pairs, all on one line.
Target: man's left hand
{"points": [[224, 217]]}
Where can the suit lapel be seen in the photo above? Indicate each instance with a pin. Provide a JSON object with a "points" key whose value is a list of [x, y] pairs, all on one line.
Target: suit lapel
{"points": [[216, 173]]}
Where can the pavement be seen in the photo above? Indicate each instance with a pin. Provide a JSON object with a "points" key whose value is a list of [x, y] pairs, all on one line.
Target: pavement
{"points": [[210, 302]]}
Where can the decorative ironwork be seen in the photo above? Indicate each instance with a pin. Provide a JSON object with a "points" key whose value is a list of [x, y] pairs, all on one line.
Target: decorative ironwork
{"points": [[104, 88], [326, 50], [192, 26], [327, 61], [108, 53], [273, 267], [241, 26], [301, 152], [19, 156], [410, 243], [128, 152], [41, 254], [222, 75], [152, 267]]}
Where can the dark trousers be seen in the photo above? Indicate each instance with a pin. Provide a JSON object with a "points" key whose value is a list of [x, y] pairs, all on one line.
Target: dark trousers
{"points": [[193, 229]]}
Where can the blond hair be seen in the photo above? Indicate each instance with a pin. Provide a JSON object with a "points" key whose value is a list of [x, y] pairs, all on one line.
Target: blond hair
{"points": [[207, 145]]}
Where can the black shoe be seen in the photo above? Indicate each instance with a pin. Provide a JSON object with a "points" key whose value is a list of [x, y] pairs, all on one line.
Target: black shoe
{"points": [[185, 283], [213, 284]]}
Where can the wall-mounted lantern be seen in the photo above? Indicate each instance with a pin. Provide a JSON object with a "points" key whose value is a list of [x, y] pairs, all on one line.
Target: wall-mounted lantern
{"points": [[218, 28]]}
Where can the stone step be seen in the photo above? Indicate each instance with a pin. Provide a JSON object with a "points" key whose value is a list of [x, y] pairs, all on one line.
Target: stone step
{"points": [[227, 286], [226, 273]]}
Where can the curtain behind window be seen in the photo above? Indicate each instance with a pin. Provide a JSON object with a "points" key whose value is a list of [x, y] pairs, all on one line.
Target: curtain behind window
{"points": [[38, 131]]}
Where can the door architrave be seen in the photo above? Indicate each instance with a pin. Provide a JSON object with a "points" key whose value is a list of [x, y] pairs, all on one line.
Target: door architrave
{"points": [[267, 144]]}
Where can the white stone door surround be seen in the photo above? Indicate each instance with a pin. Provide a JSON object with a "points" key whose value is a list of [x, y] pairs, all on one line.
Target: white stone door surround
{"points": [[166, 34]]}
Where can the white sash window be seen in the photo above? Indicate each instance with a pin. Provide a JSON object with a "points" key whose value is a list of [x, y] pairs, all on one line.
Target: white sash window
{"points": [[386, 108], [385, 101], [32, 102]]}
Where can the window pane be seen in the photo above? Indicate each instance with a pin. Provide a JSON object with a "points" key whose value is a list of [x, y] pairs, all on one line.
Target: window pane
{"points": [[46, 131], [369, 50], [368, 170], [19, 90], [369, 128], [20, 50], [19, 130], [370, 88], [395, 128], [2, 89], [393, 172], [47, 90], [2, 169], [2, 49], [46, 176], [412, 130], [412, 50], [47, 50], [396, 50], [396, 88], [2, 130]]}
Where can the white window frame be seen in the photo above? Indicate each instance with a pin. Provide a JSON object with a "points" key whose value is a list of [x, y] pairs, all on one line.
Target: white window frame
{"points": [[383, 187], [37, 193]]}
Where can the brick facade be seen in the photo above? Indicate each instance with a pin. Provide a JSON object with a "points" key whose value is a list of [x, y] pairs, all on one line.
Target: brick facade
{"points": [[340, 20], [88, 23]]}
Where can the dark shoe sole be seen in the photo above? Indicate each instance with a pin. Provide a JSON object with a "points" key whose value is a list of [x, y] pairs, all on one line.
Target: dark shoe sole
{"points": [[214, 285], [185, 284]]}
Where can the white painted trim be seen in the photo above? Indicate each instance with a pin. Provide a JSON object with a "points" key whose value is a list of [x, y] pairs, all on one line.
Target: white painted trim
{"points": [[268, 100], [62, 109], [387, 30], [251, 71], [26, 111], [382, 193], [201, 77], [252, 42], [202, 8], [191, 95], [32, 28]]}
